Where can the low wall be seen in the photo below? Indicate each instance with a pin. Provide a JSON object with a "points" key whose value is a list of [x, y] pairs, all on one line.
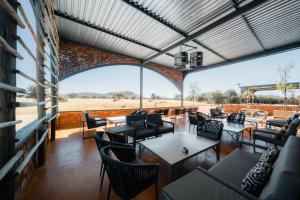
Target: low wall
{"points": [[73, 119], [263, 107]]}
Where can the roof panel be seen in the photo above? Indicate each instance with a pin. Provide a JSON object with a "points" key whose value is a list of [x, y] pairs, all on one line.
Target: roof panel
{"points": [[119, 17], [276, 23], [188, 14], [89, 36], [233, 39]]}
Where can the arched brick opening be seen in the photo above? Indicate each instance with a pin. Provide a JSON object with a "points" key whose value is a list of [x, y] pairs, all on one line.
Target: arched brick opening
{"points": [[76, 58]]}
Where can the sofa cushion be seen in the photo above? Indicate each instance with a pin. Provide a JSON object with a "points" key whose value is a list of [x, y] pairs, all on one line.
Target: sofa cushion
{"points": [[198, 185], [165, 129], [235, 166], [284, 182], [256, 178]]}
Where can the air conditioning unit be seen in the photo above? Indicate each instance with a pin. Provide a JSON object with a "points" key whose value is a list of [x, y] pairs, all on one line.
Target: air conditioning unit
{"points": [[196, 59], [181, 59]]}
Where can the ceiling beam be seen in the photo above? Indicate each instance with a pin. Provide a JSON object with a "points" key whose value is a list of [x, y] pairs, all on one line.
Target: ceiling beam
{"points": [[168, 24], [261, 54], [211, 26], [236, 6]]}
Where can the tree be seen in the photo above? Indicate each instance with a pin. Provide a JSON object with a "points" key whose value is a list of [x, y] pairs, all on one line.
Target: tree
{"points": [[231, 96], [284, 75], [153, 96], [117, 96], [194, 90], [32, 90], [177, 96]]}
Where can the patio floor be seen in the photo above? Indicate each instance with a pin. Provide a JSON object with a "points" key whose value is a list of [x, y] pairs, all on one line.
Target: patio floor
{"points": [[73, 164]]}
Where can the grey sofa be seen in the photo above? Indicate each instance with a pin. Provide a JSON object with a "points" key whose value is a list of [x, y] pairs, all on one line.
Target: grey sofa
{"points": [[224, 179]]}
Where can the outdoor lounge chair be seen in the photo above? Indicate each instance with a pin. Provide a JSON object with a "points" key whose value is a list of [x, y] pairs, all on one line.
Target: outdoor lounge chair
{"points": [[101, 142], [274, 136], [91, 123], [216, 113], [194, 121], [280, 123], [237, 118], [160, 125], [142, 131], [128, 175], [212, 129]]}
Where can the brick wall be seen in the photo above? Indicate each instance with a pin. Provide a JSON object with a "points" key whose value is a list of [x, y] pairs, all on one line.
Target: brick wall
{"points": [[268, 108], [73, 119], [76, 58]]}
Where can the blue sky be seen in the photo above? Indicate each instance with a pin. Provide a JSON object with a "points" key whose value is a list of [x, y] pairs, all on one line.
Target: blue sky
{"points": [[121, 78]]}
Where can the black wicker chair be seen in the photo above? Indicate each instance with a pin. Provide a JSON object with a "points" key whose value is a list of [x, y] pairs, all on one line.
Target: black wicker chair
{"points": [[274, 136], [92, 123], [103, 142], [177, 112], [193, 119], [128, 179], [237, 118], [200, 115], [281, 123], [155, 121], [140, 132], [216, 113], [212, 129], [139, 112]]}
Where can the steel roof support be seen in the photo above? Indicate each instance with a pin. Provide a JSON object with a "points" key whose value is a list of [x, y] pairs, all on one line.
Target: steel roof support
{"points": [[236, 6], [267, 52], [211, 26]]}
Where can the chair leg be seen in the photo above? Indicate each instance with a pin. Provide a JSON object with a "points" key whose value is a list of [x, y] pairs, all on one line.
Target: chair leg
{"points": [[102, 177], [109, 189], [101, 169], [253, 145], [218, 152], [156, 190]]}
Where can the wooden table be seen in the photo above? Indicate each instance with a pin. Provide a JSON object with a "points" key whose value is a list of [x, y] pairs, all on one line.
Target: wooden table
{"points": [[169, 148]]}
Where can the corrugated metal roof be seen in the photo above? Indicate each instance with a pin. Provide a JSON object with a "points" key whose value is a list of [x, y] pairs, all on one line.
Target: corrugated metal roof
{"points": [[268, 26]]}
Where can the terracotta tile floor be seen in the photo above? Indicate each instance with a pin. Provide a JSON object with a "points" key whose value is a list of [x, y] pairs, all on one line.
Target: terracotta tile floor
{"points": [[73, 164]]}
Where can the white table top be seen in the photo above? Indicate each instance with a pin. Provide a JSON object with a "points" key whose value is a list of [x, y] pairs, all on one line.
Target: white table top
{"points": [[233, 127], [169, 146], [119, 119]]}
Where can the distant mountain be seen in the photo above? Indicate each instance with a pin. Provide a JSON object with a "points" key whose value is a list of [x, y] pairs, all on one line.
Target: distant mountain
{"points": [[126, 94]]}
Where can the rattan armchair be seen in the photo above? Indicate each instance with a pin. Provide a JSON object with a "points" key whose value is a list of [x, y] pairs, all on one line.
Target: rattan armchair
{"points": [[128, 179]]}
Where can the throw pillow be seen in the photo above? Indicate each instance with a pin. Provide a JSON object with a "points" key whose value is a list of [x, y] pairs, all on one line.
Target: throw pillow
{"points": [[140, 124], [256, 179], [270, 155]]}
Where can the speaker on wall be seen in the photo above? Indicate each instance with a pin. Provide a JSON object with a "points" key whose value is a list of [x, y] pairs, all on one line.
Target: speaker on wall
{"points": [[196, 59], [181, 59]]}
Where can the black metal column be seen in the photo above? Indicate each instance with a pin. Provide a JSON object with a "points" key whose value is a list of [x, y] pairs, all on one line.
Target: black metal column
{"points": [[141, 85], [8, 30], [54, 110]]}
